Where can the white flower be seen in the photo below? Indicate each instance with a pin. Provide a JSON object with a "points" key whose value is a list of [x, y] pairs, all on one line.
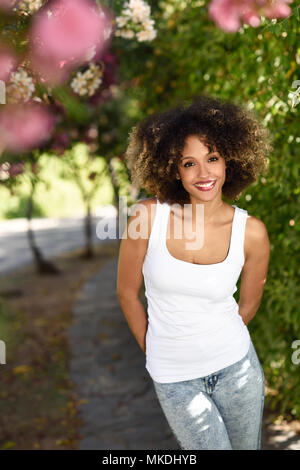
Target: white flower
{"points": [[4, 173], [20, 87], [146, 35], [88, 82], [128, 34], [148, 24], [88, 74], [121, 21], [29, 7], [127, 12], [138, 12], [294, 97]]}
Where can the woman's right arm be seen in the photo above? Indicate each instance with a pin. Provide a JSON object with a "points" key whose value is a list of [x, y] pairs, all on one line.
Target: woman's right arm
{"points": [[130, 277]]}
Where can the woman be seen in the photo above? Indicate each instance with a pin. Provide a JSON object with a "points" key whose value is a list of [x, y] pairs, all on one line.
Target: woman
{"points": [[199, 353]]}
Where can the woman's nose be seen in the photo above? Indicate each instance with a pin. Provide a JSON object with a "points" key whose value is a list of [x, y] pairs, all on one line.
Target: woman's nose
{"points": [[202, 171]]}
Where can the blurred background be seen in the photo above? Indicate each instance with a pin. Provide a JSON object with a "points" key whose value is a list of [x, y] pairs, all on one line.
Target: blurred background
{"points": [[75, 77]]}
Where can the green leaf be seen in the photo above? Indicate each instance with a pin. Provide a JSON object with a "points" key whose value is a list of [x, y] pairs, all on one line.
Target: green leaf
{"points": [[277, 29], [74, 107], [285, 24]]}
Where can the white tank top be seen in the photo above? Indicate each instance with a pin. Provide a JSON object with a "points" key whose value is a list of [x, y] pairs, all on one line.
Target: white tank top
{"points": [[194, 328]]}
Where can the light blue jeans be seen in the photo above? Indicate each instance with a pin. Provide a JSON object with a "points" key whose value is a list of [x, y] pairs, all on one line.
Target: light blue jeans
{"points": [[222, 411]]}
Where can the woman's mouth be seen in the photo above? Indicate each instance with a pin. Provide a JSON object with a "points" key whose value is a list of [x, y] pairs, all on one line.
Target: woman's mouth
{"points": [[205, 186]]}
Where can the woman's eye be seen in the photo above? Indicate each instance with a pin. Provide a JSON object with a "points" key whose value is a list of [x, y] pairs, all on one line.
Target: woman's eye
{"points": [[190, 163], [187, 163]]}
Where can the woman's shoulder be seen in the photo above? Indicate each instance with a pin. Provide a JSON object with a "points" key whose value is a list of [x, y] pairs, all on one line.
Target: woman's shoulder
{"points": [[254, 226], [145, 217], [150, 203], [256, 234]]}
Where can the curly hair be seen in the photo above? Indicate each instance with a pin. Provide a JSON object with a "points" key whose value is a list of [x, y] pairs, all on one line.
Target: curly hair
{"points": [[155, 145]]}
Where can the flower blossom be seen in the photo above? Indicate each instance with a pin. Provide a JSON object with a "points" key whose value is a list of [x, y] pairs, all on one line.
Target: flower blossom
{"points": [[86, 83], [135, 21], [7, 4], [28, 7], [20, 88], [24, 127], [8, 63], [229, 15], [62, 35]]}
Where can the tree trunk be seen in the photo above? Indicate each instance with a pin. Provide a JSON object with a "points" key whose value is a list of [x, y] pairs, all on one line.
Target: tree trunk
{"points": [[43, 266], [116, 190], [89, 252]]}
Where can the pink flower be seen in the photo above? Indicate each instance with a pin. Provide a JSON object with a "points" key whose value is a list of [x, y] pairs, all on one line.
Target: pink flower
{"points": [[230, 14], [62, 35], [225, 14], [61, 142], [7, 4], [25, 126], [50, 71], [16, 169], [278, 9], [8, 63], [249, 16]]}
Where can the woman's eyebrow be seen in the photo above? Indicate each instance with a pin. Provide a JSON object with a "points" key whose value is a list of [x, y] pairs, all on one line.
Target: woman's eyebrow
{"points": [[209, 153]]}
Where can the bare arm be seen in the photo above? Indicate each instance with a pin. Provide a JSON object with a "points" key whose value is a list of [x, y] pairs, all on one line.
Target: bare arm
{"points": [[130, 276], [254, 273]]}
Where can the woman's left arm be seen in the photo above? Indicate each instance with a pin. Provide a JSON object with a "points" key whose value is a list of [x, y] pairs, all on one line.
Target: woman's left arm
{"points": [[254, 273]]}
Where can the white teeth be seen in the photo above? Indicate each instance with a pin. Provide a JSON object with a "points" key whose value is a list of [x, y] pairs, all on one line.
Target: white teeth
{"points": [[205, 185]]}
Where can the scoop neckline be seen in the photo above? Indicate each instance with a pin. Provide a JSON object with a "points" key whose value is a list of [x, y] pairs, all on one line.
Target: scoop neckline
{"points": [[196, 264]]}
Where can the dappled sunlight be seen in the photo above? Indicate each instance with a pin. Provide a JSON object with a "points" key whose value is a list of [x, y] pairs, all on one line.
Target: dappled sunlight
{"points": [[198, 405]]}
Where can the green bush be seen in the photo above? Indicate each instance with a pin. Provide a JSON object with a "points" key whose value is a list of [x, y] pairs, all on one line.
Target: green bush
{"points": [[254, 67]]}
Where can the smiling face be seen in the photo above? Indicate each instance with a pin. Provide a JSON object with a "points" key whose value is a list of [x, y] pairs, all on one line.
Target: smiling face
{"points": [[202, 173]]}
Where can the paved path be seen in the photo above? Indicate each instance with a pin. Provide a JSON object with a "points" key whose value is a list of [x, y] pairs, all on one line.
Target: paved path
{"points": [[108, 368], [53, 236]]}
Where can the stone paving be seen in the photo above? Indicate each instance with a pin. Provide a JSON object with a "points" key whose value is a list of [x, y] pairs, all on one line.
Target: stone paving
{"points": [[120, 410]]}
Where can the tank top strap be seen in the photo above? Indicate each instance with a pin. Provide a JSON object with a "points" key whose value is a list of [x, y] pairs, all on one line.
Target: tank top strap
{"points": [[157, 228], [238, 234]]}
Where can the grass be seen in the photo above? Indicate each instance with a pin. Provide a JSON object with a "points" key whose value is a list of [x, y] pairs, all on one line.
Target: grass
{"points": [[56, 196]]}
